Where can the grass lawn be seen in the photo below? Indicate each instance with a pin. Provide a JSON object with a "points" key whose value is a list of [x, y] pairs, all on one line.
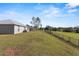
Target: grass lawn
{"points": [[34, 43], [70, 34]]}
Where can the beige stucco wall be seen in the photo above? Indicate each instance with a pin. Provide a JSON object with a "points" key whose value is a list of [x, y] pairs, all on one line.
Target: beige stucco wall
{"points": [[18, 29]]}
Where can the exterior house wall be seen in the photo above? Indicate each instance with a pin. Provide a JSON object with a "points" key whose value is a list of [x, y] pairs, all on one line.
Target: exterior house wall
{"points": [[18, 29], [27, 29], [11, 29], [6, 29]]}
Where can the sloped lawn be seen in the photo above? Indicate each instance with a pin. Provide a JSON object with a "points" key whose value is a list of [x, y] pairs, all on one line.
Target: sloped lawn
{"points": [[70, 34], [34, 43]]}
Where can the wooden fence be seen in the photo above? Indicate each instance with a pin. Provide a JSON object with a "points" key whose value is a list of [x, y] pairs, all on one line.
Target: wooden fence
{"points": [[72, 41]]}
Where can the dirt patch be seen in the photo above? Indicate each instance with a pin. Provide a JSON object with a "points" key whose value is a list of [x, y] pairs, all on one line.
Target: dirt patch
{"points": [[12, 52]]}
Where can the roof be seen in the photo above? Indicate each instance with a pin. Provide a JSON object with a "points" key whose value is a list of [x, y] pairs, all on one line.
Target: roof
{"points": [[10, 22]]}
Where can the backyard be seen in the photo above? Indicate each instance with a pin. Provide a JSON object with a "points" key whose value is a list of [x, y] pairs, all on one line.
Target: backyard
{"points": [[69, 34], [35, 43]]}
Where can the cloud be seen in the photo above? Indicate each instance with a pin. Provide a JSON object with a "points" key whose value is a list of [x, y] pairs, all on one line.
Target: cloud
{"points": [[21, 17], [72, 5], [72, 10], [67, 15], [57, 12], [51, 11], [10, 13], [47, 11]]}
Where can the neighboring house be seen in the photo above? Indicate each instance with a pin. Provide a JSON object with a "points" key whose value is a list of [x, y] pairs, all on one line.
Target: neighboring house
{"points": [[11, 27], [28, 28]]}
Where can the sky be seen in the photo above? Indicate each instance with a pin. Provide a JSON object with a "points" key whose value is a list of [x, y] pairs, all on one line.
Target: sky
{"points": [[53, 14]]}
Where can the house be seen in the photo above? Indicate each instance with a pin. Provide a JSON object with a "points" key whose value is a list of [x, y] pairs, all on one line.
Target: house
{"points": [[29, 28], [11, 27]]}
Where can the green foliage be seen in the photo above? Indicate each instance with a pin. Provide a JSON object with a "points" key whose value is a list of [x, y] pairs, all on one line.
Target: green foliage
{"points": [[36, 22], [48, 28]]}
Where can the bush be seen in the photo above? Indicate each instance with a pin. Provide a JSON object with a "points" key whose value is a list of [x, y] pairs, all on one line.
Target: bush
{"points": [[25, 31]]}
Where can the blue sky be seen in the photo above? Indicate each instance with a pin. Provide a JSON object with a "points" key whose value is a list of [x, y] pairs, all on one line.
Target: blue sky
{"points": [[53, 14]]}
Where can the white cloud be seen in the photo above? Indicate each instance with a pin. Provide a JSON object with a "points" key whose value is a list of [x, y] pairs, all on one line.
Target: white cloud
{"points": [[57, 12], [46, 11], [67, 15], [72, 5], [21, 17], [51, 11], [72, 10]]}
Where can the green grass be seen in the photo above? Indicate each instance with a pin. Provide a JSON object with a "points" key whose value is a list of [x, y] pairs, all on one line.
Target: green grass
{"points": [[70, 34], [36, 43]]}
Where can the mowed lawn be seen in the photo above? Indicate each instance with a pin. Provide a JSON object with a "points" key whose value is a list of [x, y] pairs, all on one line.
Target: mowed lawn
{"points": [[36, 43], [70, 34]]}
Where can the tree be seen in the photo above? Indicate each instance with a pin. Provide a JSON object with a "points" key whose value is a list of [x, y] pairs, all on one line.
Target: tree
{"points": [[40, 25], [76, 29], [48, 28], [68, 29], [36, 22], [33, 21]]}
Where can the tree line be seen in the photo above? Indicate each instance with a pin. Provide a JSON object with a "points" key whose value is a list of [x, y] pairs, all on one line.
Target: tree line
{"points": [[64, 29], [36, 25]]}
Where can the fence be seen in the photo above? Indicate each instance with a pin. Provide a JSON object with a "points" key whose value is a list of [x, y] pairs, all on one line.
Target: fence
{"points": [[69, 40]]}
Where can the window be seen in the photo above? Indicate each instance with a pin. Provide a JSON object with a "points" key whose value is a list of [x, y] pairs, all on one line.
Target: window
{"points": [[18, 28]]}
